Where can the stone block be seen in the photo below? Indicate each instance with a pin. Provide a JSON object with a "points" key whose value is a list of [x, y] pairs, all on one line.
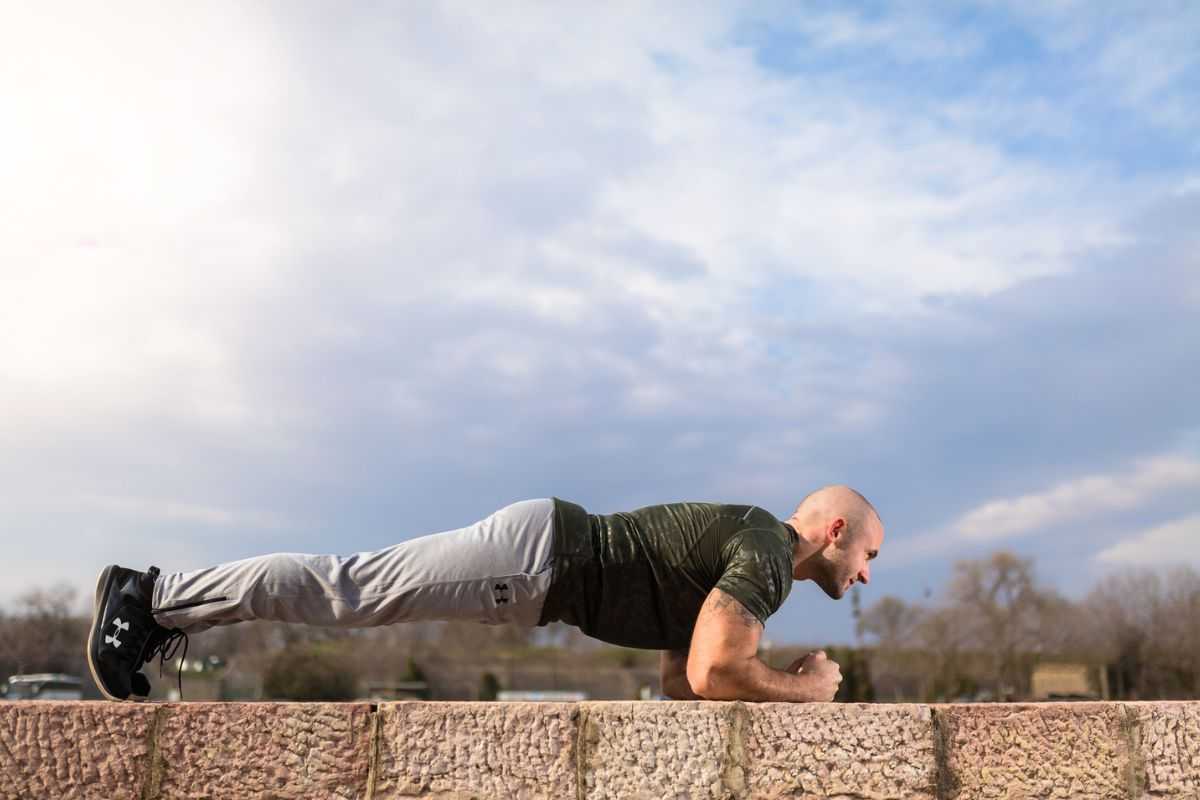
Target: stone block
{"points": [[1168, 736], [1049, 750], [460, 750], [456, 751], [263, 750], [638, 751], [74, 750], [822, 750]]}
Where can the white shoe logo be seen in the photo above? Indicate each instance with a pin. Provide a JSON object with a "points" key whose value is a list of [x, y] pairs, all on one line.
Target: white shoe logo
{"points": [[120, 626]]}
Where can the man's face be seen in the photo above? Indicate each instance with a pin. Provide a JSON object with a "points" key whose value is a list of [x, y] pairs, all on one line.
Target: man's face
{"points": [[846, 560]]}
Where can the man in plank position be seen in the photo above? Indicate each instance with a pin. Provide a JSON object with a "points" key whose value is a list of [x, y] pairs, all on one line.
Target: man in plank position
{"points": [[695, 580]]}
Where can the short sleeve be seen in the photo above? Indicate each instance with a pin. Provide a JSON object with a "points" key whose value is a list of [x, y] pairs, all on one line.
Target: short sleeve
{"points": [[758, 571]]}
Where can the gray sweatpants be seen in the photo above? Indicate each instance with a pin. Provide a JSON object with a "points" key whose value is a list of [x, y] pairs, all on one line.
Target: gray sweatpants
{"points": [[495, 571]]}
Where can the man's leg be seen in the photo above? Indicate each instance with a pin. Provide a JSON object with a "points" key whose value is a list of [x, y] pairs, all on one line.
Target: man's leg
{"points": [[497, 570], [494, 571]]}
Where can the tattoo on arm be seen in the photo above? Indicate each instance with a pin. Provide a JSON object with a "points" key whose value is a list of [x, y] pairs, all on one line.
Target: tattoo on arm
{"points": [[724, 602]]}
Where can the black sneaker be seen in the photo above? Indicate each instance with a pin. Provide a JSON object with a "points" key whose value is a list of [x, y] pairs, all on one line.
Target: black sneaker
{"points": [[124, 633]]}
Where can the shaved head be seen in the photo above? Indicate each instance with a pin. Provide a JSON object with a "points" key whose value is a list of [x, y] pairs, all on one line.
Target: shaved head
{"points": [[839, 501], [840, 533]]}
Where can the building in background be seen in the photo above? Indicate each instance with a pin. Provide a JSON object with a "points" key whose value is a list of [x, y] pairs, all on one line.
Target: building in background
{"points": [[1068, 681]]}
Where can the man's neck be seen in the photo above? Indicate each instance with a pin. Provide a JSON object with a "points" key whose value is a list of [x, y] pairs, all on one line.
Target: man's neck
{"points": [[808, 543]]}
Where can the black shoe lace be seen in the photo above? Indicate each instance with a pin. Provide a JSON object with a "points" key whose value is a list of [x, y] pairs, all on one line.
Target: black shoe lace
{"points": [[167, 640], [165, 648]]}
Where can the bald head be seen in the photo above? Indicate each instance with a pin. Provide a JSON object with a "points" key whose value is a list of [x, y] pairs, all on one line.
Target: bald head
{"points": [[840, 532], [838, 501]]}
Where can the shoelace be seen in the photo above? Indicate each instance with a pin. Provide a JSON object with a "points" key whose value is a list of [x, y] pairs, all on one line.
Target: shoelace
{"points": [[166, 648]]}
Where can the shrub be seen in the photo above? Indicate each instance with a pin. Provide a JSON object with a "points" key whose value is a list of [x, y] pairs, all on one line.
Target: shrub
{"points": [[489, 686], [310, 672]]}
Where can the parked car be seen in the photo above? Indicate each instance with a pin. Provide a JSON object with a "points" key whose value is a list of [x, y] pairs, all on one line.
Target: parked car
{"points": [[43, 686]]}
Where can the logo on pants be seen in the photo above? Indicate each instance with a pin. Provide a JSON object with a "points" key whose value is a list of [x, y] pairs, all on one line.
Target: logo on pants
{"points": [[500, 593]]}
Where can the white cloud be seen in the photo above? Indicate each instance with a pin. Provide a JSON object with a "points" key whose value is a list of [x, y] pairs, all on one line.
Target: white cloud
{"points": [[450, 157], [1174, 542], [912, 36], [164, 510], [244, 251], [1078, 499], [125, 244], [1149, 66], [1189, 185]]}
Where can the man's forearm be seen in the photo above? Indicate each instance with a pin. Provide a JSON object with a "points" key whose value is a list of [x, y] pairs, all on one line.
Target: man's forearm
{"points": [[755, 681]]}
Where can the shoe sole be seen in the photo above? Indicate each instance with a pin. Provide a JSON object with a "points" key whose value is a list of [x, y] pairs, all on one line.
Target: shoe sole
{"points": [[102, 590]]}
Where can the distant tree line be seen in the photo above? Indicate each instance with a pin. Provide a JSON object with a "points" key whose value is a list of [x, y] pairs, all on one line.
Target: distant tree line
{"points": [[42, 632], [995, 622]]}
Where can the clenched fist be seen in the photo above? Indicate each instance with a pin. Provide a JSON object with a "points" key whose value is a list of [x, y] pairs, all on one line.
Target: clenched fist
{"points": [[824, 673]]}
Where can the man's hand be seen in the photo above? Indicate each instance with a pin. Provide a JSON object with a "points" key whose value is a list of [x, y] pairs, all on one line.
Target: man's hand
{"points": [[823, 671]]}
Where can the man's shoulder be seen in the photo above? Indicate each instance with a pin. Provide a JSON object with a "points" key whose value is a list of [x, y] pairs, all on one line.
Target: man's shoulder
{"points": [[744, 512], [759, 530], [751, 518]]}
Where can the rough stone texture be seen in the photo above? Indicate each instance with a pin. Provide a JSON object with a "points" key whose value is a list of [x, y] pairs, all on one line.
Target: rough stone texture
{"points": [[455, 751], [262, 750], [639, 751], [477, 750], [73, 750], [1168, 738], [835, 750], [1070, 750]]}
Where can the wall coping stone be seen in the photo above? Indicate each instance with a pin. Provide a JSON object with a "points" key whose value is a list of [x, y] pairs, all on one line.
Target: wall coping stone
{"points": [[601, 749]]}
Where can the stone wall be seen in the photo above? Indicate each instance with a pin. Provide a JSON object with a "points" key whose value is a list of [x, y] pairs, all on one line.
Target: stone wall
{"points": [[454, 751]]}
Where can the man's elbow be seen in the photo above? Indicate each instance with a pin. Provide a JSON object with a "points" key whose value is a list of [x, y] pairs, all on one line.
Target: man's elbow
{"points": [[714, 681], [678, 691]]}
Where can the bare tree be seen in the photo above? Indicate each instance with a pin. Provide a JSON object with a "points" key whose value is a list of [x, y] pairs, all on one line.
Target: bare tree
{"points": [[1147, 625], [1063, 628], [1003, 609], [1180, 628], [8, 645], [942, 635], [897, 665], [891, 621], [43, 635], [1125, 609]]}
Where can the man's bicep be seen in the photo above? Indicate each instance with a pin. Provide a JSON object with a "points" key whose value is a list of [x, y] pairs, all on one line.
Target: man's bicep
{"points": [[757, 573], [725, 633]]}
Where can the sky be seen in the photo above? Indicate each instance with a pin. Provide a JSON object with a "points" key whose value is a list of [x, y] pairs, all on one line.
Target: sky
{"points": [[325, 277]]}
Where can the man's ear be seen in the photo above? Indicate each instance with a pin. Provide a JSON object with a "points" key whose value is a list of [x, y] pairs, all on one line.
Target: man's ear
{"points": [[835, 530]]}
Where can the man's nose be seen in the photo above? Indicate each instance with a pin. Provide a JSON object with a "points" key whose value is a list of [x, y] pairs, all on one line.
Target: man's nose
{"points": [[865, 575]]}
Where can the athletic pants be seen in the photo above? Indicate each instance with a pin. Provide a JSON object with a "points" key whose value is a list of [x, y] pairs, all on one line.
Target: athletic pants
{"points": [[495, 571]]}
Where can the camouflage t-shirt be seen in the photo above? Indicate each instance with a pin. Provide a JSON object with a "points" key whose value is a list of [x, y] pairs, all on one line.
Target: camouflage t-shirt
{"points": [[638, 579]]}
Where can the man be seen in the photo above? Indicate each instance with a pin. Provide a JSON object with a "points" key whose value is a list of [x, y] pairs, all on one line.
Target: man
{"points": [[695, 580]]}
